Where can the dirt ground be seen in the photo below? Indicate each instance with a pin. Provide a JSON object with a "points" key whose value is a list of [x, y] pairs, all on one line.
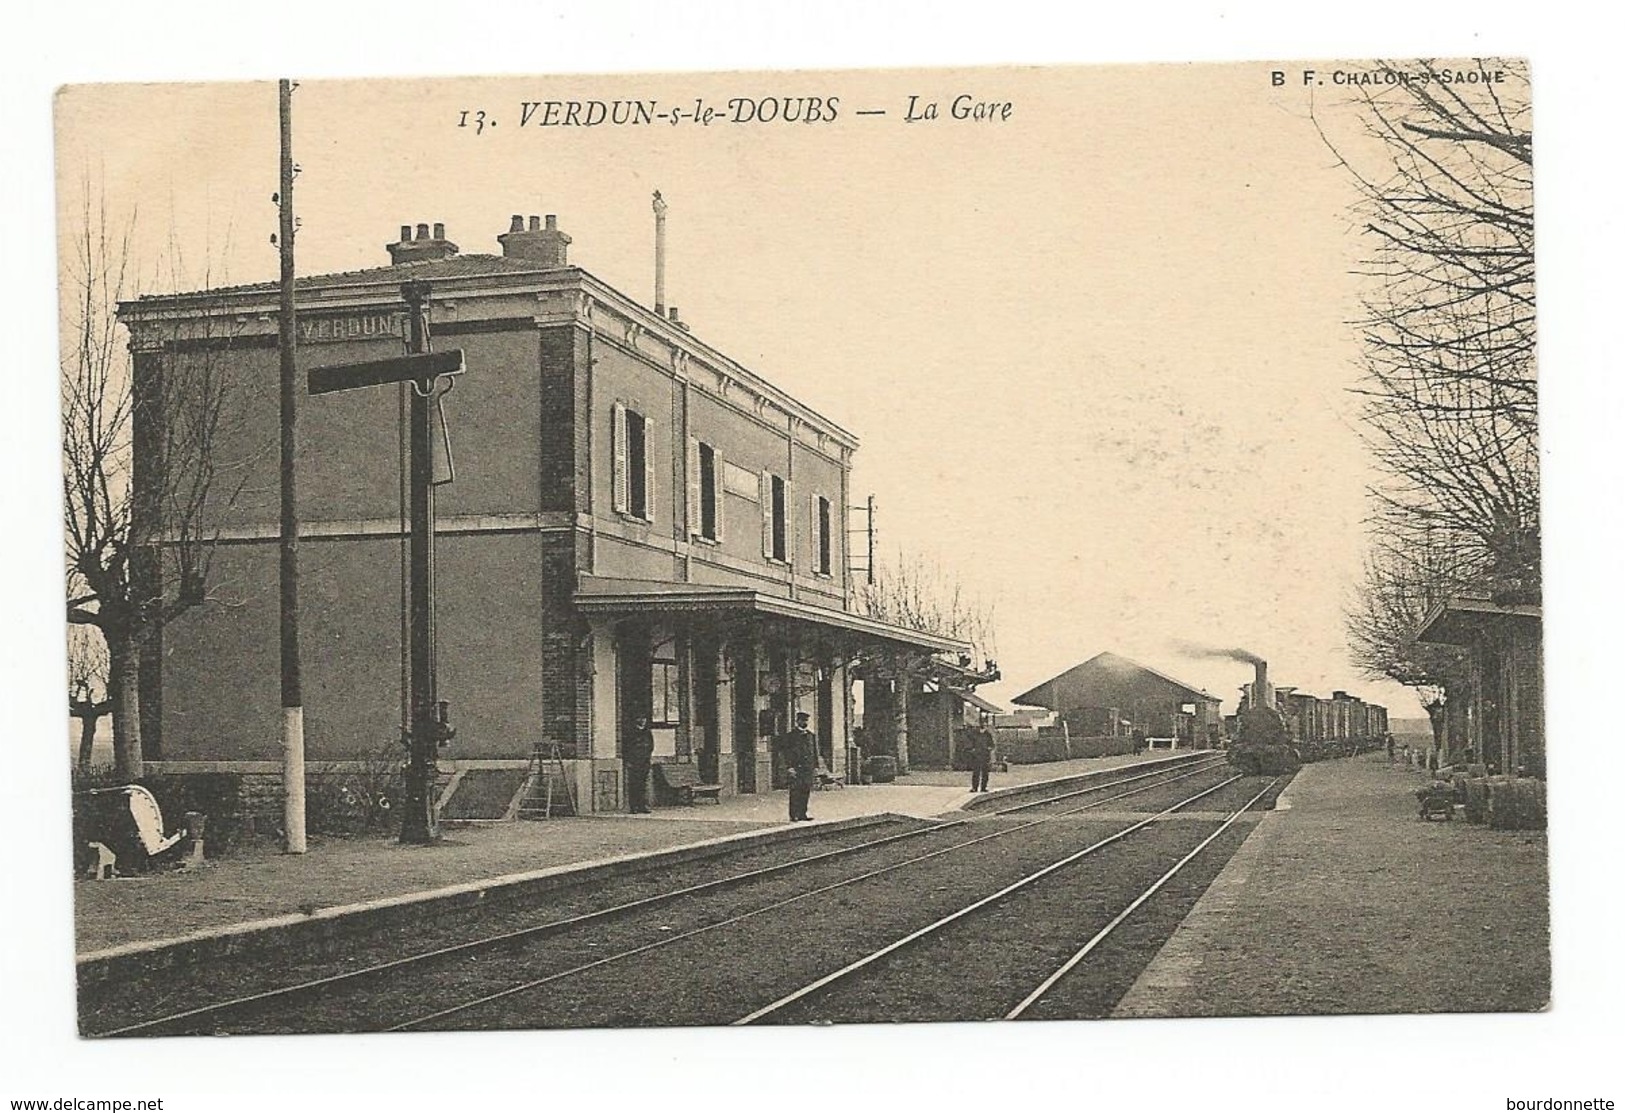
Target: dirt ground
{"points": [[260, 882], [1348, 903]]}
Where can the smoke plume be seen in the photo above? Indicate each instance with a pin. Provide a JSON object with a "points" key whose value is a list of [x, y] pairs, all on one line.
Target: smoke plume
{"points": [[1195, 649]]}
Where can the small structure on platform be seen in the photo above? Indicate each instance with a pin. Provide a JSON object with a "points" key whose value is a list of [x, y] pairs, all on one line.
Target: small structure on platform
{"points": [[1502, 634]]}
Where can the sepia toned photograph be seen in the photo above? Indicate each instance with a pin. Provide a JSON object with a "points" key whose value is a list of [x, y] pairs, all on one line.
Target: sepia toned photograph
{"points": [[801, 548]]}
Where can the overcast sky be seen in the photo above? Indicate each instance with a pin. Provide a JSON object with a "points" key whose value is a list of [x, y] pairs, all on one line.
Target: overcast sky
{"points": [[1098, 353]]}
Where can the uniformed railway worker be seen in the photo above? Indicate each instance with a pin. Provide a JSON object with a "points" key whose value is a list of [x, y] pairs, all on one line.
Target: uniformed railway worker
{"points": [[798, 749], [639, 749], [980, 753]]}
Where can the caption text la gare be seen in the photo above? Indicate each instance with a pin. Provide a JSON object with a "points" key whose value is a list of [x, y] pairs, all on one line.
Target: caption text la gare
{"points": [[963, 107]]}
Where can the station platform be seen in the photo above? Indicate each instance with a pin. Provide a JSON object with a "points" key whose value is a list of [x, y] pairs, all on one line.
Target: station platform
{"points": [[1344, 901], [257, 886]]}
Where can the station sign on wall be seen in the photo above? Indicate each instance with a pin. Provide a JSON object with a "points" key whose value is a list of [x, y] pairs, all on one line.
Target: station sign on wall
{"points": [[373, 325]]}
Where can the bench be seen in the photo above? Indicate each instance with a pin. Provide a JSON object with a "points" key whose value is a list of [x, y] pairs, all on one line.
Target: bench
{"points": [[121, 827], [683, 783]]}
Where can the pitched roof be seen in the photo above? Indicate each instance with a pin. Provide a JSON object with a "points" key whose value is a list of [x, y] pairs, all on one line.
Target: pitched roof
{"points": [[455, 266], [1034, 697]]}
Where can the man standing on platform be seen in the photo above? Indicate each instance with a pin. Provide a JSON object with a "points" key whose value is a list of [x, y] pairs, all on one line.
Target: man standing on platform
{"points": [[639, 749], [980, 752], [798, 749]]}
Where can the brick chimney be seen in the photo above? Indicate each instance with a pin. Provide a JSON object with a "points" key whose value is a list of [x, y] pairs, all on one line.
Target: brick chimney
{"points": [[545, 246], [424, 245]]}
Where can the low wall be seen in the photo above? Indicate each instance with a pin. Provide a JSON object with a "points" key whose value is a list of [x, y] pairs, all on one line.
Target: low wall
{"points": [[1033, 747]]}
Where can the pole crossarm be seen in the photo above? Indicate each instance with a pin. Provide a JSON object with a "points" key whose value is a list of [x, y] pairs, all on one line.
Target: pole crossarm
{"points": [[425, 367]]}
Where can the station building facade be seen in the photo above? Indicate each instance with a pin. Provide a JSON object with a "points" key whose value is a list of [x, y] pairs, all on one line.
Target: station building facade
{"points": [[637, 524]]}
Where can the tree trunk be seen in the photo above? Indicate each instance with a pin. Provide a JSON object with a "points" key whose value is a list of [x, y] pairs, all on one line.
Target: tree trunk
{"points": [[124, 688], [87, 739]]}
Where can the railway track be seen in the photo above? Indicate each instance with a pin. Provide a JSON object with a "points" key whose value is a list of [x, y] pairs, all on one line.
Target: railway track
{"points": [[269, 1010], [804, 999]]}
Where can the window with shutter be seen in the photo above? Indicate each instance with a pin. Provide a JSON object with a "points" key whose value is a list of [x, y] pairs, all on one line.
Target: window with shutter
{"points": [[815, 542], [634, 465], [766, 503], [719, 472], [709, 492], [787, 532], [647, 511], [824, 554], [775, 517], [694, 513]]}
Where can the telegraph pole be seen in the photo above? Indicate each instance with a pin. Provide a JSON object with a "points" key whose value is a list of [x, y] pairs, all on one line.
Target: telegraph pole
{"points": [[293, 709]]}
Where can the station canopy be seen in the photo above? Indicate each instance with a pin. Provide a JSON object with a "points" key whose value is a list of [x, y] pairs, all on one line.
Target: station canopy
{"points": [[733, 608]]}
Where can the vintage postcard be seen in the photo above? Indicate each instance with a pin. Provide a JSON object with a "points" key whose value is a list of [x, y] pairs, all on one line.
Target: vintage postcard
{"points": [[788, 548]]}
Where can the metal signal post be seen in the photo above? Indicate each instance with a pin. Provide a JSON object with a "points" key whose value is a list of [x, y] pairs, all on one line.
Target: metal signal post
{"points": [[423, 372]]}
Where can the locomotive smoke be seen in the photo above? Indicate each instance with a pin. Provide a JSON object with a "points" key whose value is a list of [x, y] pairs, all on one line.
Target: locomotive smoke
{"points": [[1260, 666], [1196, 649]]}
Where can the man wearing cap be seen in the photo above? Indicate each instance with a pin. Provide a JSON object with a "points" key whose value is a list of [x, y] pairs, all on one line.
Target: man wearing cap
{"points": [[637, 752], [798, 749]]}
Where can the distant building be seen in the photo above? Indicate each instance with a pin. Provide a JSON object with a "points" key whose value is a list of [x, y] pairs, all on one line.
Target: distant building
{"points": [[1110, 696], [639, 526]]}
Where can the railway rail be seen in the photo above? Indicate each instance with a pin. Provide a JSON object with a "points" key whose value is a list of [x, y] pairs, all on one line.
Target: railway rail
{"points": [[959, 916], [248, 1012]]}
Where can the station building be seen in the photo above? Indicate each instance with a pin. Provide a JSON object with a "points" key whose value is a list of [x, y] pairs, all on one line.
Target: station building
{"points": [[637, 525]]}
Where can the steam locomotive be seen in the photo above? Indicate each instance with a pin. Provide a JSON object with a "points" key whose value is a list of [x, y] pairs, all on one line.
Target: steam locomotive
{"points": [[1277, 729]]}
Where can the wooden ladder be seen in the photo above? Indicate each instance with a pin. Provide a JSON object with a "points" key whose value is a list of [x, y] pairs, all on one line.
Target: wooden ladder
{"points": [[547, 774]]}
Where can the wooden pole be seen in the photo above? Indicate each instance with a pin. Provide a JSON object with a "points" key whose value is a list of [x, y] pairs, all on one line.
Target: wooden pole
{"points": [[293, 711]]}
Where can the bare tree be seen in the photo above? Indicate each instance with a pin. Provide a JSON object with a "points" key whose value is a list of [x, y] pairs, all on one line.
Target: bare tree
{"points": [[1449, 395], [1449, 327], [921, 596], [1400, 585], [87, 688], [141, 481]]}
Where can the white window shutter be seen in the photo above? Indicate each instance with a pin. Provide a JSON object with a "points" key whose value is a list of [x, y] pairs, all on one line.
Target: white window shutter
{"points": [[649, 470], [719, 475], [766, 491], [618, 447], [815, 528], [789, 522], [696, 512]]}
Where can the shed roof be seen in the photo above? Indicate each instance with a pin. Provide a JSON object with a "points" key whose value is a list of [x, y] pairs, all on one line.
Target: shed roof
{"points": [[1460, 619], [978, 702], [1035, 696], [606, 595]]}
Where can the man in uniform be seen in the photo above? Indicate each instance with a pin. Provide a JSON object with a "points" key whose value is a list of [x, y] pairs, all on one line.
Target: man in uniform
{"points": [[798, 749], [981, 758], [639, 748]]}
